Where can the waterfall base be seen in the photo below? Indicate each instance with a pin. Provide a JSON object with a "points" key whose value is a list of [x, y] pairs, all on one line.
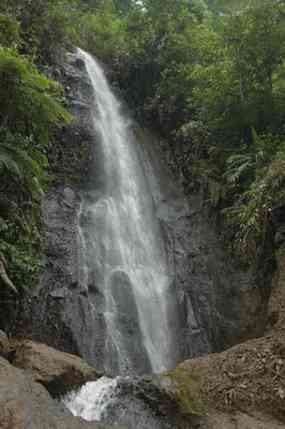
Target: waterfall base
{"points": [[117, 401], [93, 400]]}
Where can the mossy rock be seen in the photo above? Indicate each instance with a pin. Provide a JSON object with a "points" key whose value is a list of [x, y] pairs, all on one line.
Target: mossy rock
{"points": [[185, 390]]}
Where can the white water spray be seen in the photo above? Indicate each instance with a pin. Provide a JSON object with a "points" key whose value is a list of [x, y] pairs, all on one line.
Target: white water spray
{"points": [[124, 236], [93, 400], [122, 251]]}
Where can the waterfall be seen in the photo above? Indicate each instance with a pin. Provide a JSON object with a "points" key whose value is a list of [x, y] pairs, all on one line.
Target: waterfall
{"points": [[121, 247], [122, 259], [93, 400]]}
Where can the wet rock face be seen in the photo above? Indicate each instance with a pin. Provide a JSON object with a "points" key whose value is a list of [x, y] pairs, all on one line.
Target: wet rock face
{"points": [[218, 304], [127, 321], [62, 312]]}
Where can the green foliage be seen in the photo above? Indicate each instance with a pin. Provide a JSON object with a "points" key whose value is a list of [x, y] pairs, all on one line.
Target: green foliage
{"points": [[227, 5], [209, 75], [102, 33], [44, 25], [238, 166], [24, 255], [29, 104], [28, 99], [9, 32], [22, 161], [215, 83], [249, 217]]}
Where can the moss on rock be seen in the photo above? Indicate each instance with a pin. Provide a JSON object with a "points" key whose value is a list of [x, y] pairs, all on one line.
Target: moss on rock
{"points": [[185, 390]]}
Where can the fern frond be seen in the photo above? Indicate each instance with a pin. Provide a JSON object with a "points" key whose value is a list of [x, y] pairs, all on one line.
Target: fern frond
{"points": [[8, 163], [238, 166], [19, 164]]}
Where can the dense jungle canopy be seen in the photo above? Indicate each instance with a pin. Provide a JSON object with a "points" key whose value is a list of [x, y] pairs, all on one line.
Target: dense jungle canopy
{"points": [[208, 76]]}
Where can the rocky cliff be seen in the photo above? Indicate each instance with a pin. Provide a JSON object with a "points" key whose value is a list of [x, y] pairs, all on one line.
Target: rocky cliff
{"points": [[219, 304]]}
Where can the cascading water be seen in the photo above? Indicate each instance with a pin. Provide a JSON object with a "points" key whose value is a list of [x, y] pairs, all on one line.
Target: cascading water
{"points": [[122, 248]]}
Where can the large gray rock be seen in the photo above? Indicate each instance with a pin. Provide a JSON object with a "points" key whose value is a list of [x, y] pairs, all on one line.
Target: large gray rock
{"points": [[241, 388], [25, 404], [241, 421], [59, 372], [4, 345]]}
